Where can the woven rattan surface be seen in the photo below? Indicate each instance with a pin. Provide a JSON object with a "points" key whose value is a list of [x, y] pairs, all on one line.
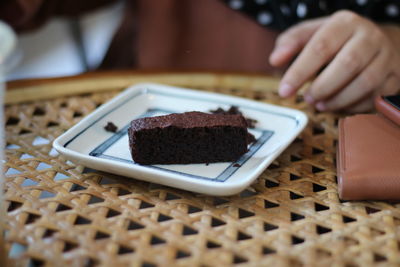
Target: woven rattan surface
{"points": [[62, 214]]}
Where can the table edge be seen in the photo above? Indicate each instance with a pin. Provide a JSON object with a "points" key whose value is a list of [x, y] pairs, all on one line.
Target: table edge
{"points": [[45, 88]]}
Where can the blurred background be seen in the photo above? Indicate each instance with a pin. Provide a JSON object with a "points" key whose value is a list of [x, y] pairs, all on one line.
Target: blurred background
{"points": [[64, 46]]}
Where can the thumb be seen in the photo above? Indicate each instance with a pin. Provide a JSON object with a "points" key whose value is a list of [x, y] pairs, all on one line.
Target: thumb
{"points": [[292, 41]]}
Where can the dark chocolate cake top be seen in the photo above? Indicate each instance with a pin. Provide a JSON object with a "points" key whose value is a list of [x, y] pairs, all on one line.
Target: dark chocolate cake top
{"points": [[189, 120]]}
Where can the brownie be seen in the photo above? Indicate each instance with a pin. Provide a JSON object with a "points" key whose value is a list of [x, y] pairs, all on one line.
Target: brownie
{"points": [[191, 137]]}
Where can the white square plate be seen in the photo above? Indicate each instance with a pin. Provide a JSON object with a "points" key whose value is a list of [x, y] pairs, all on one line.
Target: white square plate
{"points": [[89, 144]]}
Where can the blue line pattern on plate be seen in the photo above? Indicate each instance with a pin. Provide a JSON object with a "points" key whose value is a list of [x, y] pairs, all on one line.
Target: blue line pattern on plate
{"points": [[222, 177]]}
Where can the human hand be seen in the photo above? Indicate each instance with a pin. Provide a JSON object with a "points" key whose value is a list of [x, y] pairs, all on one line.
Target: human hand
{"points": [[360, 59]]}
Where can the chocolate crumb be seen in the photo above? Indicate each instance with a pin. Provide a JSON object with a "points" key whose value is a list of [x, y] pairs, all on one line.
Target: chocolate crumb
{"points": [[111, 127], [250, 138], [234, 110], [237, 165], [251, 123], [218, 111], [207, 164]]}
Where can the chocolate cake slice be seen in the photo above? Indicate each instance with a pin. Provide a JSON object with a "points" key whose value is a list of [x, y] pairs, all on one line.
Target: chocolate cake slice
{"points": [[191, 137]]}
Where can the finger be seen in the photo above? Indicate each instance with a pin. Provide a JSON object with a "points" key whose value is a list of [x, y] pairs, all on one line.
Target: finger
{"points": [[347, 64], [324, 44], [370, 79], [391, 86], [290, 42], [365, 105]]}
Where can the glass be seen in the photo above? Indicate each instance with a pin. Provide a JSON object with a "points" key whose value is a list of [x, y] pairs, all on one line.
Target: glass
{"points": [[7, 45]]}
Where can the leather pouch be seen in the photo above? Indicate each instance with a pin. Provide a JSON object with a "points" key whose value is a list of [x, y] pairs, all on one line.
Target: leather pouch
{"points": [[368, 158]]}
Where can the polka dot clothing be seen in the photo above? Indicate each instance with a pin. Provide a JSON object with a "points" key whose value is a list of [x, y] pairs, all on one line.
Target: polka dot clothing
{"points": [[281, 14]]}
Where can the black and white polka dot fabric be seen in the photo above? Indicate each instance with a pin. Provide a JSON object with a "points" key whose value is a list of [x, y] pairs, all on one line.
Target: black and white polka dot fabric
{"points": [[281, 14]]}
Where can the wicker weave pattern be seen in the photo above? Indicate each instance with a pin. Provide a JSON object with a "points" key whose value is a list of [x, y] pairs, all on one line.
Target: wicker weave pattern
{"points": [[62, 214]]}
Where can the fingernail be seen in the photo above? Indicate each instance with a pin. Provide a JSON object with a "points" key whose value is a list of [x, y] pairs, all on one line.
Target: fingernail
{"points": [[273, 58], [309, 99], [281, 48], [277, 52], [320, 106], [285, 90]]}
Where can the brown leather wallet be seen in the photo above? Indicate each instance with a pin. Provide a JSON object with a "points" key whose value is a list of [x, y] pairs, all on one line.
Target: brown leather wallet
{"points": [[368, 158]]}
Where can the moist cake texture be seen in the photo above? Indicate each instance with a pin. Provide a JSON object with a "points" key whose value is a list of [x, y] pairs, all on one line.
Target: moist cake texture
{"points": [[191, 137]]}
